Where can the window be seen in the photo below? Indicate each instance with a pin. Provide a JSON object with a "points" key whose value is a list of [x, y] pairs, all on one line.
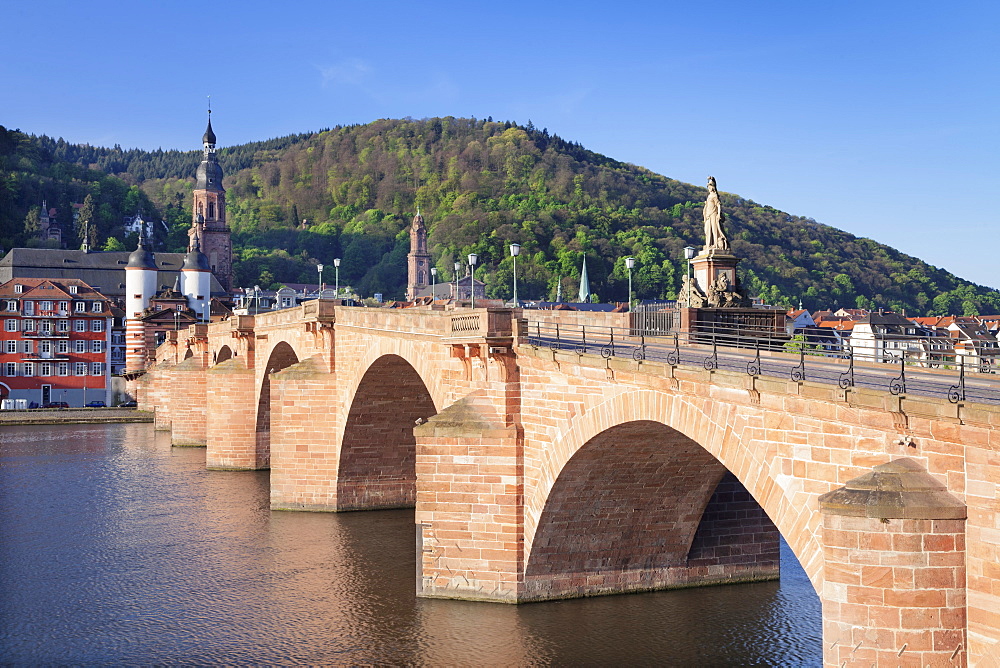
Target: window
{"points": [[81, 346], [80, 307], [29, 368], [12, 305], [28, 347], [44, 347], [29, 325], [46, 306], [97, 346], [97, 325], [97, 307], [10, 325], [29, 308], [72, 289], [63, 368], [63, 325], [81, 368], [63, 306], [62, 347], [45, 369], [80, 325], [97, 369], [18, 289], [286, 302], [46, 327], [11, 369], [11, 347]]}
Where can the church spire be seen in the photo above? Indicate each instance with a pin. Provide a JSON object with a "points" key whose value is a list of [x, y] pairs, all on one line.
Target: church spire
{"points": [[209, 232]]}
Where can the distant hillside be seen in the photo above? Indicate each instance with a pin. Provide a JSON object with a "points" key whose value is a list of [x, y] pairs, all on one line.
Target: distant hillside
{"points": [[480, 185]]}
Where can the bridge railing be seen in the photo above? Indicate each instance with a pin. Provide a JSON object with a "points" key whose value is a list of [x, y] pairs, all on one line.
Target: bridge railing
{"points": [[487, 323], [927, 366]]}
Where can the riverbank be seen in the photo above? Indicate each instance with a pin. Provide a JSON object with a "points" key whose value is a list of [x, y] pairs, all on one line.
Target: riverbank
{"points": [[74, 416]]}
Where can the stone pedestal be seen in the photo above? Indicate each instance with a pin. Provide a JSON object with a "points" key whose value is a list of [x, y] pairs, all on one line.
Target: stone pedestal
{"points": [[894, 572], [711, 264]]}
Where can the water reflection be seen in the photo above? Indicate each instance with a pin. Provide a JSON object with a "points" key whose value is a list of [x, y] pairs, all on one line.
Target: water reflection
{"points": [[117, 549]]}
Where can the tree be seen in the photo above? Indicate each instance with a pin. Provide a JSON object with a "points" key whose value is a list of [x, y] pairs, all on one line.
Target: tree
{"points": [[112, 244], [86, 219], [32, 221]]}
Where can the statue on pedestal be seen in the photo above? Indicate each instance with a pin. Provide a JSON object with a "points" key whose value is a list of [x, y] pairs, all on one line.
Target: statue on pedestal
{"points": [[715, 236]]}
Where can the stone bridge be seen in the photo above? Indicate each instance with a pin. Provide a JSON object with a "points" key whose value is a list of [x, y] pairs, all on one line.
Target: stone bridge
{"points": [[541, 474]]}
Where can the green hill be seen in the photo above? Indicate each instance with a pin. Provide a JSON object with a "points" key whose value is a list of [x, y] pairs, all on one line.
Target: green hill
{"points": [[480, 185]]}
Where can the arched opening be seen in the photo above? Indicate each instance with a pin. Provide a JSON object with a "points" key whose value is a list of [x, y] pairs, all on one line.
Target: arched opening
{"points": [[189, 354], [378, 453], [282, 357], [225, 353], [641, 506]]}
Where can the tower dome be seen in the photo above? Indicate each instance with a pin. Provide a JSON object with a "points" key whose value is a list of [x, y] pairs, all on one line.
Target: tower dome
{"points": [[195, 260], [141, 257], [209, 137]]}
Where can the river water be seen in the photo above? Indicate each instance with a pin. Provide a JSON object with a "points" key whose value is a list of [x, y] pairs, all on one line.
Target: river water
{"points": [[116, 549]]}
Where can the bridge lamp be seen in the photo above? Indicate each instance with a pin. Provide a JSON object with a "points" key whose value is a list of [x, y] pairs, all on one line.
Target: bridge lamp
{"points": [[630, 263], [688, 255], [473, 258], [434, 273], [515, 250], [319, 268], [336, 266], [458, 266]]}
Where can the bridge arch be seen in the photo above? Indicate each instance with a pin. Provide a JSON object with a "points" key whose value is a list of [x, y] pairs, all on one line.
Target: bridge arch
{"points": [[377, 467], [282, 356], [224, 353], [712, 441]]}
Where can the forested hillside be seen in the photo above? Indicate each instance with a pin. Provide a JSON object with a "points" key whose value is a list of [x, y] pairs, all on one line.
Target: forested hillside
{"points": [[480, 185]]}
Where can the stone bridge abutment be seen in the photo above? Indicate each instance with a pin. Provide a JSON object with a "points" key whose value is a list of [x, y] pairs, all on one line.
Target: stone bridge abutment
{"points": [[542, 474]]}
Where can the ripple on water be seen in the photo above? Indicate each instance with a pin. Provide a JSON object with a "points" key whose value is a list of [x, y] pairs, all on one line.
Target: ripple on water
{"points": [[118, 549]]}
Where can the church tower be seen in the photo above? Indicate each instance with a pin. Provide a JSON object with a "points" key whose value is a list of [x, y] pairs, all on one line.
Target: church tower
{"points": [[209, 214], [418, 261]]}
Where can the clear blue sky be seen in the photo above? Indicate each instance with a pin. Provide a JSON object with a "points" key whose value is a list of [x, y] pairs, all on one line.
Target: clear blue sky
{"points": [[879, 118]]}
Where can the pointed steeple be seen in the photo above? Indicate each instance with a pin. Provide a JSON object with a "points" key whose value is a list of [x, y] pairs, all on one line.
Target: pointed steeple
{"points": [[584, 283]]}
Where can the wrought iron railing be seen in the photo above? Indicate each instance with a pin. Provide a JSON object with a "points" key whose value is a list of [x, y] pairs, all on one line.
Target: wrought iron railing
{"points": [[959, 377]]}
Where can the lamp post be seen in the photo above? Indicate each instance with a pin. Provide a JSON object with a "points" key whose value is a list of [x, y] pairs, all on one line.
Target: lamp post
{"points": [[630, 263], [457, 267], [515, 250], [688, 255], [473, 258], [336, 289], [319, 268], [434, 273]]}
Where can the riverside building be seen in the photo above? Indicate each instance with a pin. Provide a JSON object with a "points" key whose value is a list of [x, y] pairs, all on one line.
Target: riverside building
{"points": [[56, 342]]}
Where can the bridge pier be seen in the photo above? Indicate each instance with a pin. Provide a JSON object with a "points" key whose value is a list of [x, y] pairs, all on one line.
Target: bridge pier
{"points": [[894, 573], [188, 403], [230, 431], [303, 448], [469, 516]]}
